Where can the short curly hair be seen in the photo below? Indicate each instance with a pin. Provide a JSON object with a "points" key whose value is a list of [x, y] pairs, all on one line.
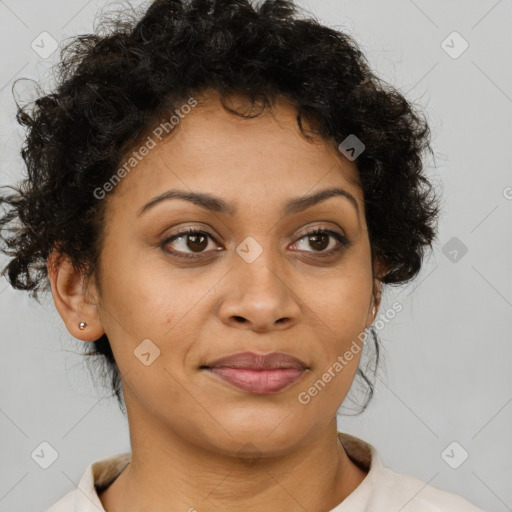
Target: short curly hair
{"points": [[112, 88]]}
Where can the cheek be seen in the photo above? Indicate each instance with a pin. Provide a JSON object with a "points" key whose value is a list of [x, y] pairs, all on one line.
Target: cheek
{"points": [[344, 308], [137, 286], [339, 313], [134, 307], [150, 308], [341, 302]]}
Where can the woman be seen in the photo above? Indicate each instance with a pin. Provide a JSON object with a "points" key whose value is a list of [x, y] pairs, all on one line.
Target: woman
{"points": [[216, 195]]}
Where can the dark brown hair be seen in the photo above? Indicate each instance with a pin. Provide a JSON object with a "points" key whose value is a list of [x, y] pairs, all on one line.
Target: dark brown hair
{"points": [[112, 88]]}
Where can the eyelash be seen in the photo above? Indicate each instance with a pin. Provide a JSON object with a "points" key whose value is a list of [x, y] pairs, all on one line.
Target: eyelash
{"points": [[344, 242]]}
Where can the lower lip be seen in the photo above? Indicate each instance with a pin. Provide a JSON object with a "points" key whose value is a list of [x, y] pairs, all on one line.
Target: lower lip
{"points": [[258, 381]]}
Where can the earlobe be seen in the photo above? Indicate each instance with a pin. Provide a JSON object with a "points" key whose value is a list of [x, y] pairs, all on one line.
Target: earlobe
{"points": [[70, 295], [379, 271], [374, 309], [376, 301]]}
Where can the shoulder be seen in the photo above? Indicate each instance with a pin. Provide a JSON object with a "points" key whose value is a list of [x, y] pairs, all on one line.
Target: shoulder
{"points": [[411, 494], [98, 475], [65, 504], [386, 489]]}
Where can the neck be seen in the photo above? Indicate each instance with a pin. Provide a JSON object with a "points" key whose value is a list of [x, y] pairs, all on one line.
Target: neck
{"points": [[173, 474]]}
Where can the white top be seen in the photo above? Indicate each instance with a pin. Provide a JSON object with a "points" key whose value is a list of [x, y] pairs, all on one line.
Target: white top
{"points": [[381, 489]]}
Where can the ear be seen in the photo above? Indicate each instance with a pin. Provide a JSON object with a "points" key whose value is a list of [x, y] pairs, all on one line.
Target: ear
{"points": [[73, 298], [379, 271]]}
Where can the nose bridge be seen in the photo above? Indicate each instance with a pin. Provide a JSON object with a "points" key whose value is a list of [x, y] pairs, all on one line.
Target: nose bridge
{"points": [[260, 294], [258, 266]]}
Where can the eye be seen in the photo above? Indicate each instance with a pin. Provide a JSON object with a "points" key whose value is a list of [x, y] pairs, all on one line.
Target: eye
{"points": [[319, 240], [189, 238], [194, 242]]}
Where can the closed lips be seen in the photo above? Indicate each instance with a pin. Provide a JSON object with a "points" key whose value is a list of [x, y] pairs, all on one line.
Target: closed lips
{"points": [[258, 373], [253, 361]]}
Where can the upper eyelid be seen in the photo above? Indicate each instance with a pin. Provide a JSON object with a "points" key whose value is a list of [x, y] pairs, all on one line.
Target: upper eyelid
{"points": [[192, 230]]}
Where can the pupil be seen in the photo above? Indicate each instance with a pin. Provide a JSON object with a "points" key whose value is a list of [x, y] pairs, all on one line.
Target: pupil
{"points": [[315, 240], [194, 239]]}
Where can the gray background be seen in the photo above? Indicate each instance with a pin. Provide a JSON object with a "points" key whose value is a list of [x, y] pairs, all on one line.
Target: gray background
{"points": [[446, 375]]}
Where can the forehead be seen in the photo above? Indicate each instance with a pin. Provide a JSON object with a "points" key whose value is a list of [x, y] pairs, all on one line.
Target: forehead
{"points": [[212, 148], [211, 125]]}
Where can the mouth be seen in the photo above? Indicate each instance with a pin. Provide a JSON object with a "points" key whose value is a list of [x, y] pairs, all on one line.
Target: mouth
{"points": [[258, 373]]}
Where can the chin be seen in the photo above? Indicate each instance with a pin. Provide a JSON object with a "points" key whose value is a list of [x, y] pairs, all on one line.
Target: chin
{"points": [[258, 438]]}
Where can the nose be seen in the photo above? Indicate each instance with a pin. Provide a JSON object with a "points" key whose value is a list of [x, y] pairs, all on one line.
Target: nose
{"points": [[259, 298]]}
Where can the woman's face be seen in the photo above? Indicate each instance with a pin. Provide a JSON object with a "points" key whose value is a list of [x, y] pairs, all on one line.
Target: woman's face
{"points": [[254, 281]]}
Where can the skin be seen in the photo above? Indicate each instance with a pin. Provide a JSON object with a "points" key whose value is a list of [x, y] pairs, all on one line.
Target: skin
{"points": [[198, 443]]}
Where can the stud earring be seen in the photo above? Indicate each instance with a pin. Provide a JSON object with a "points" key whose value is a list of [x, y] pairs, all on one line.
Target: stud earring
{"points": [[82, 325]]}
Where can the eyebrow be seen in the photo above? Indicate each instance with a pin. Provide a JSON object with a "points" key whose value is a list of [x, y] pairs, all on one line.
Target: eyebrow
{"points": [[216, 204]]}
